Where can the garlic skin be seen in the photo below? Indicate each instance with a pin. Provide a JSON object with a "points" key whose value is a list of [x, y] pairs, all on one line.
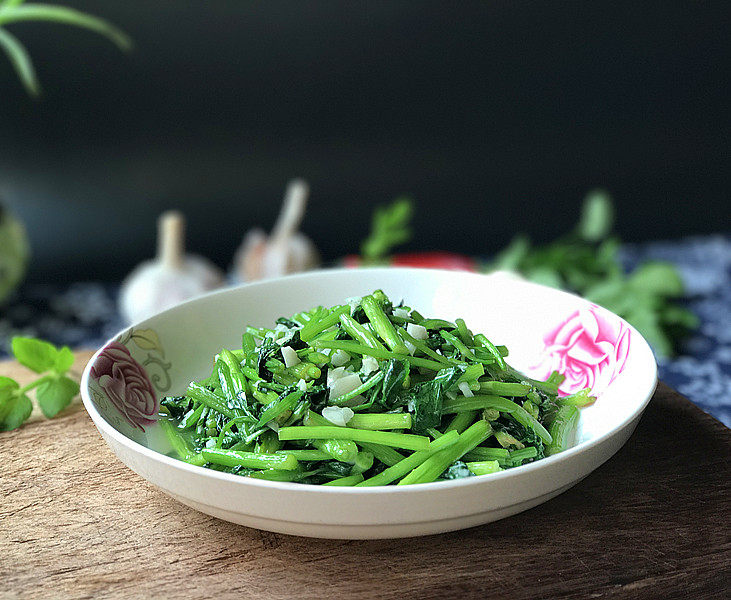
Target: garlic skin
{"points": [[169, 279], [286, 250]]}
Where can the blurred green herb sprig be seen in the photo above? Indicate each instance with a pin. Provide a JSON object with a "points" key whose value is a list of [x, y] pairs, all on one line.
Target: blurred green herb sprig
{"points": [[14, 11], [390, 227], [585, 261], [54, 389]]}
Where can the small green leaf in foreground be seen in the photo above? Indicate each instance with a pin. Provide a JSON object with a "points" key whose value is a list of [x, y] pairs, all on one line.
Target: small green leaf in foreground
{"points": [[56, 394], [15, 407], [37, 355]]}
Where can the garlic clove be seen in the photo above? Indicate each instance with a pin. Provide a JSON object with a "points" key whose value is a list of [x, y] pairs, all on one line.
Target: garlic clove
{"points": [[285, 250], [169, 279]]}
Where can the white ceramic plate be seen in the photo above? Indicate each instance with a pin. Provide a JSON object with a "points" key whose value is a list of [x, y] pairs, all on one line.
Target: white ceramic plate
{"points": [[542, 327]]}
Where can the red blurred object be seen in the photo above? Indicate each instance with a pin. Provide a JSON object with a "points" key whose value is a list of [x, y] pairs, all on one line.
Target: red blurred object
{"points": [[425, 260]]}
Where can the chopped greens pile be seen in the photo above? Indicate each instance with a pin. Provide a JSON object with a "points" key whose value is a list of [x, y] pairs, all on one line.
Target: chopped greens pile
{"points": [[366, 394]]}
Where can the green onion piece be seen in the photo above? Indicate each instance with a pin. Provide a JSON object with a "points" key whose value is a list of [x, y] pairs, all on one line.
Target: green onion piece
{"points": [[437, 324], [406, 441], [356, 348], [382, 325], [177, 441], [267, 443], [279, 406], [248, 344], [434, 433], [579, 399], [562, 429], [506, 440], [502, 388], [457, 343], [518, 456], [436, 464], [360, 333], [238, 421], [549, 387], [471, 373], [464, 334], [313, 327], [250, 373], [234, 367], [198, 393], [482, 341], [363, 387], [350, 480], [280, 475], [363, 462], [377, 421], [344, 451], [461, 421], [409, 463], [461, 404], [317, 358], [488, 454], [341, 450], [251, 460], [303, 370], [306, 454], [191, 417], [387, 455], [532, 409], [485, 467], [422, 347]]}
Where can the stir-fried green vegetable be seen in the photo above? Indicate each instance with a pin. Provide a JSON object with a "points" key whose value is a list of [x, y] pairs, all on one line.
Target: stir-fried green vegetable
{"points": [[367, 394]]}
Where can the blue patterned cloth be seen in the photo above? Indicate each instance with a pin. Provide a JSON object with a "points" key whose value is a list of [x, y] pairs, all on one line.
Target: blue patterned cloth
{"points": [[85, 315]]}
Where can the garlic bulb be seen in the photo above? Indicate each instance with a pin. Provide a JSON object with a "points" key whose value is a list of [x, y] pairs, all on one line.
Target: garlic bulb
{"points": [[172, 277], [285, 250]]}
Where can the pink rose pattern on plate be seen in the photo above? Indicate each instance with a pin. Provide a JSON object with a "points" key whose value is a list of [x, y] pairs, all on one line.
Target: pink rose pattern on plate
{"points": [[589, 349], [127, 385]]}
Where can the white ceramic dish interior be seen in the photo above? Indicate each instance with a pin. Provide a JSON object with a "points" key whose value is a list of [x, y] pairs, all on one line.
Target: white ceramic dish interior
{"points": [[542, 327]]}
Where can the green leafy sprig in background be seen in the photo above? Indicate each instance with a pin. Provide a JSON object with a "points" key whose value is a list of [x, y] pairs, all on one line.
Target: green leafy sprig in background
{"points": [[584, 261], [390, 227], [14, 11], [54, 389]]}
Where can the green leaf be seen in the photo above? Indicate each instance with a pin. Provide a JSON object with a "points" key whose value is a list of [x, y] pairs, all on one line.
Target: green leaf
{"points": [[7, 382], [597, 216], [67, 16], [15, 408], [56, 394], [661, 279], [425, 399], [64, 360], [20, 59], [37, 355]]}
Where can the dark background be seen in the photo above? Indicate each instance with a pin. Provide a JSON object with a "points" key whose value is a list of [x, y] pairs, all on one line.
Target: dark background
{"points": [[496, 116]]}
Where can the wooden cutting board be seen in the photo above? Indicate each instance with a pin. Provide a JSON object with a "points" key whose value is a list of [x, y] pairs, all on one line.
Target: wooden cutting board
{"points": [[653, 522]]}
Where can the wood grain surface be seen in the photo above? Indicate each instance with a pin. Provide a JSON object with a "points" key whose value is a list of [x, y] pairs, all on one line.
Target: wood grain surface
{"points": [[653, 522]]}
